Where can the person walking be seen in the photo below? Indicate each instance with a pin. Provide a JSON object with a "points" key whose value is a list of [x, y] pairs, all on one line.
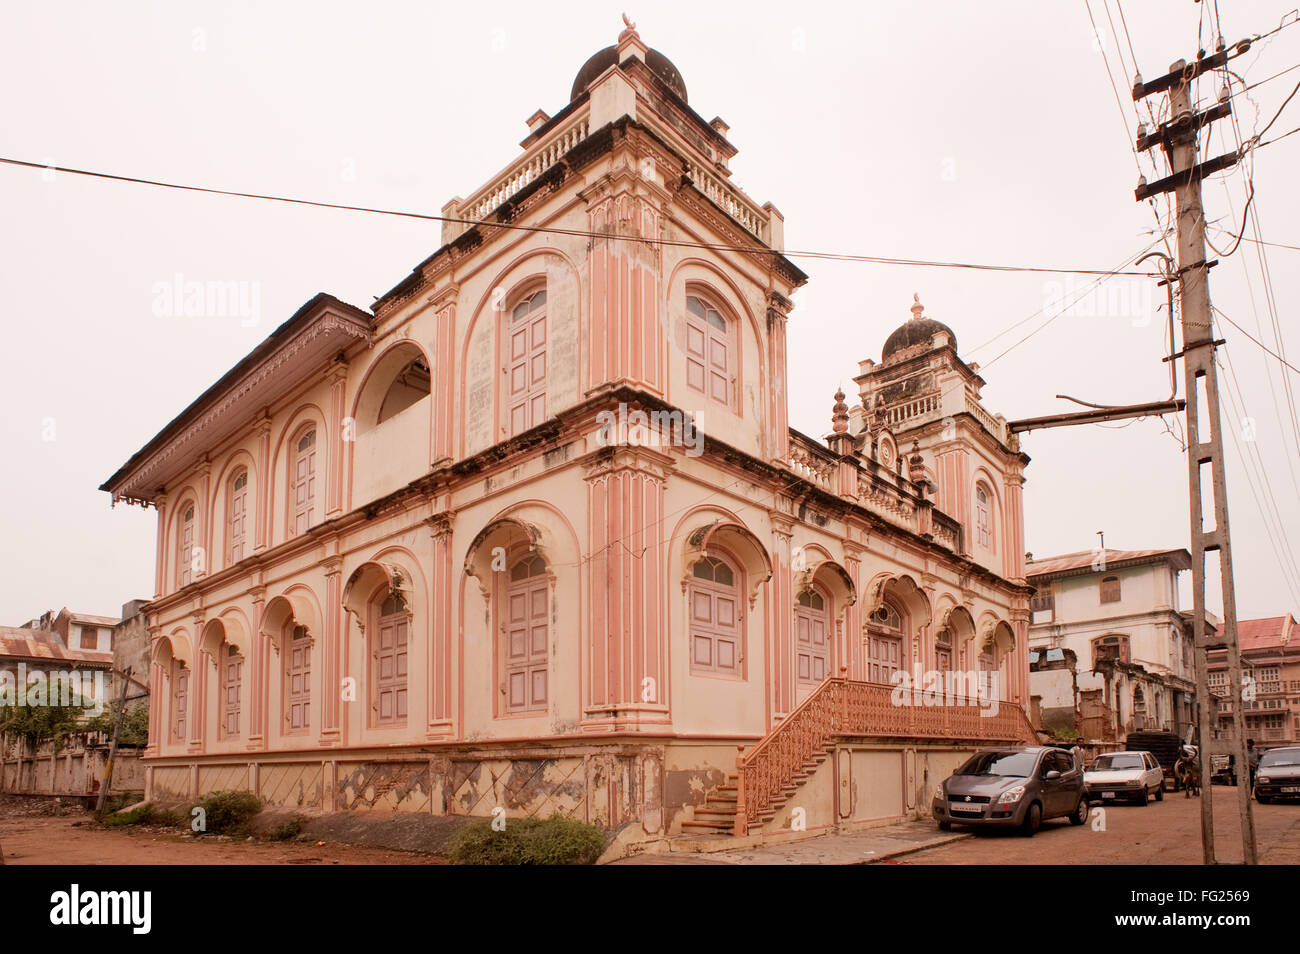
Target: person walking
{"points": [[1252, 760]]}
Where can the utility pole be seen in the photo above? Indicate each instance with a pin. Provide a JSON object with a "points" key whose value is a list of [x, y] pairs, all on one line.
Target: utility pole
{"points": [[112, 746], [1178, 138]]}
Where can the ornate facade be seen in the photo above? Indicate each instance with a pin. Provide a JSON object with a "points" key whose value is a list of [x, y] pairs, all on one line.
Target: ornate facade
{"points": [[536, 534]]}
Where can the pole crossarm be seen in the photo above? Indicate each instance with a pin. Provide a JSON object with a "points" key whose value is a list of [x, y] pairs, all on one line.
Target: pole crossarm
{"points": [[1118, 413]]}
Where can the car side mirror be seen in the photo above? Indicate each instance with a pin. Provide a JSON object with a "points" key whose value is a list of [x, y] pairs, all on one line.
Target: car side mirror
{"points": [[1052, 774]]}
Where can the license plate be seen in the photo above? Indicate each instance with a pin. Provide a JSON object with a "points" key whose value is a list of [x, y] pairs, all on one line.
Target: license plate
{"points": [[1107, 794], [1291, 789]]}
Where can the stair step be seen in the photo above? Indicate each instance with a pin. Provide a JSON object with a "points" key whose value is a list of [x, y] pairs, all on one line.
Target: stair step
{"points": [[720, 827]]}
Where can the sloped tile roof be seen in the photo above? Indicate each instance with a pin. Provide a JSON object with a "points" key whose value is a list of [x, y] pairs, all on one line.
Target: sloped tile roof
{"points": [[1084, 560], [40, 645]]}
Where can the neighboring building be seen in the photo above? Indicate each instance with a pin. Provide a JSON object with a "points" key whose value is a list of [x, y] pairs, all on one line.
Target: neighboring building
{"points": [[80, 631], [30, 655], [472, 551], [1110, 651], [1270, 658], [132, 645]]}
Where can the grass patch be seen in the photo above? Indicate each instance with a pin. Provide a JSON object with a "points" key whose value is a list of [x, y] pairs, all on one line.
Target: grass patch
{"points": [[528, 841], [226, 813], [287, 830], [147, 814]]}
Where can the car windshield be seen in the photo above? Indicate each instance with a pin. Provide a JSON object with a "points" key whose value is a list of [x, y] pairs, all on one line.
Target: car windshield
{"points": [[1279, 757], [1011, 764], [1112, 763]]}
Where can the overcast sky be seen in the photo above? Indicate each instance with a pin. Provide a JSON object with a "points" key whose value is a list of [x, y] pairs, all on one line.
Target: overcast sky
{"points": [[969, 132]]}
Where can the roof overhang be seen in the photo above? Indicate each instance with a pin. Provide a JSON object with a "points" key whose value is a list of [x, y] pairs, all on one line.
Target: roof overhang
{"points": [[317, 332]]}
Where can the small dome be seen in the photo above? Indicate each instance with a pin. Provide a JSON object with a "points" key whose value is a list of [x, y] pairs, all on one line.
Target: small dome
{"points": [[917, 330], [659, 64]]}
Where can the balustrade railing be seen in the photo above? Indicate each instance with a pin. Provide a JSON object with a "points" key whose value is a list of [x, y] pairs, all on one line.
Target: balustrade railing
{"points": [[811, 461], [840, 708], [909, 410], [543, 155], [729, 200]]}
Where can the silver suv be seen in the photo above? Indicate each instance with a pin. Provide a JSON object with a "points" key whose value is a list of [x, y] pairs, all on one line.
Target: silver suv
{"points": [[1013, 787]]}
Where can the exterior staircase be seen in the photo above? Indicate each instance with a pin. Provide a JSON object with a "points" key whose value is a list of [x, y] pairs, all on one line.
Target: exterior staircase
{"points": [[718, 813], [777, 765]]}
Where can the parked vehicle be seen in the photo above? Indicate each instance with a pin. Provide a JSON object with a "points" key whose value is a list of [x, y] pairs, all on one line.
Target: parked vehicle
{"points": [[1165, 746], [1223, 770], [1013, 787], [1130, 776], [1278, 775]]}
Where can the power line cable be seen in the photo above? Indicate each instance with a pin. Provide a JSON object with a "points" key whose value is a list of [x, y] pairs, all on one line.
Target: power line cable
{"points": [[581, 233]]}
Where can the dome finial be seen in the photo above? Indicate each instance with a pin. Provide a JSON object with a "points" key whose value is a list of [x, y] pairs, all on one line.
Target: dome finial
{"points": [[917, 308], [840, 413], [630, 31]]}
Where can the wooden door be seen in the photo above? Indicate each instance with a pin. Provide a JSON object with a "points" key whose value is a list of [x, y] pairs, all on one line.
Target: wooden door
{"points": [[528, 636], [812, 640], [181, 702], [232, 679], [715, 618], [884, 657], [298, 691], [390, 668], [304, 482], [238, 517], [708, 351], [526, 366]]}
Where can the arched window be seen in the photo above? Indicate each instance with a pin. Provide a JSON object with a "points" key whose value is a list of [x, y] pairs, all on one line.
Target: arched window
{"points": [[943, 650], [297, 682], [302, 489], [527, 633], [237, 512], [185, 550], [716, 632], [180, 700], [710, 358], [884, 644], [812, 638], [388, 660], [412, 383], [232, 677], [983, 517], [1110, 589], [525, 363]]}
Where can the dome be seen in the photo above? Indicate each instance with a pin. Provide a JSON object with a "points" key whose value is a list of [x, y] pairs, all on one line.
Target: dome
{"points": [[916, 330], [659, 64]]}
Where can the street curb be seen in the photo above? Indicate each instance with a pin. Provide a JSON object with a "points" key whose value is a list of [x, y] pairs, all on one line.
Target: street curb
{"points": [[939, 843]]}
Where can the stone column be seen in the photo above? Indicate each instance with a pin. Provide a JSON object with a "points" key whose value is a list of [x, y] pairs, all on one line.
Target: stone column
{"points": [[338, 379], [160, 564], [257, 650], [853, 655], [441, 655], [781, 589], [262, 524], [330, 651], [444, 376], [627, 620], [626, 333], [778, 429]]}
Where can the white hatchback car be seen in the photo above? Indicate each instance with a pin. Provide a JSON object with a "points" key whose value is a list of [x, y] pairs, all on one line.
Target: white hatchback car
{"points": [[1132, 776]]}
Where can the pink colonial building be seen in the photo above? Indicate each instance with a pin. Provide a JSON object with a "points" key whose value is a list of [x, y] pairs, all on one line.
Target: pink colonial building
{"points": [[536, 534]]}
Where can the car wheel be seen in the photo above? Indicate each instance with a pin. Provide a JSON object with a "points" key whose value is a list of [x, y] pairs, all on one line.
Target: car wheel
{"points": [[1145, 797], [1080, 812], [945, 826], [1160, 792], [1262, 799], [1033, 819]]}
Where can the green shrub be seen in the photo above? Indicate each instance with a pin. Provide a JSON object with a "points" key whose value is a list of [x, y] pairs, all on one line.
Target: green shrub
{"points": [[288, 829], [227, 813], [144, 815], [528, 841]]}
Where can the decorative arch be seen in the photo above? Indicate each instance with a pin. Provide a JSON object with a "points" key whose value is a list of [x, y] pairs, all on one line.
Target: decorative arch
{"points": [[832, 577], [218, 515], [496, 543], [175, 645], [370, 579], [904, 590], [295, 607], [279, 505], [379, 378], [736, 539], [733, 297], [493, 296]]}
